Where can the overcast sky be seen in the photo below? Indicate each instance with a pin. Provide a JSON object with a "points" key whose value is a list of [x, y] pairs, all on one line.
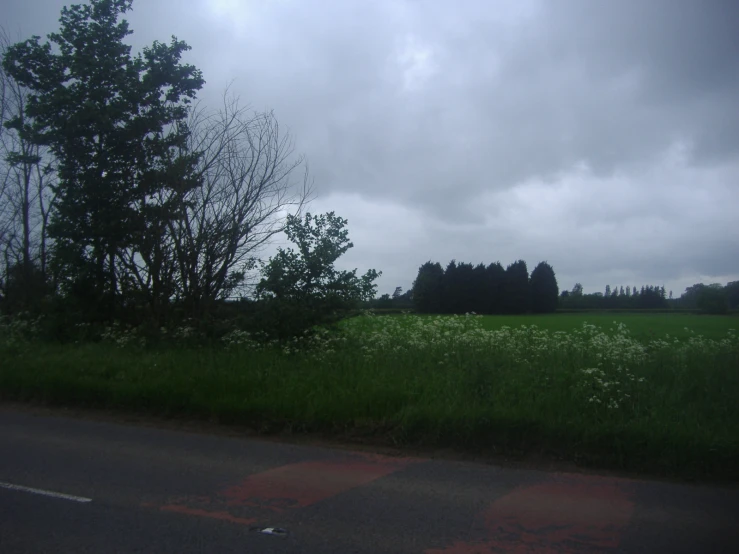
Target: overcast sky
{"points": [[599, 135]]}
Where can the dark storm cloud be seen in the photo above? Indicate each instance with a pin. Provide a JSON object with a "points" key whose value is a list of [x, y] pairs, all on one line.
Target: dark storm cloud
{"points": [[483, 130], [494, 101]]}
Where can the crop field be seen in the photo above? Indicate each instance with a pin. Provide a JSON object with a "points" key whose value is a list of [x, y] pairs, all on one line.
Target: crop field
{"points": [[648, 393]]}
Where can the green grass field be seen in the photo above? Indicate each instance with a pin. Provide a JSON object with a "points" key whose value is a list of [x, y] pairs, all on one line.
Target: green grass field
{"points": [[624, 396], [642, 326]]}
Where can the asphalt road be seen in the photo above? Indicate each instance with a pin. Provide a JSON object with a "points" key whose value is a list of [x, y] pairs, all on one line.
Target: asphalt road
{"points": [[70, 485]]}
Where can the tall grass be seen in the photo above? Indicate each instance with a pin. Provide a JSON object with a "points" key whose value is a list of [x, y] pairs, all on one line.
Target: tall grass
{"points": [[595, 395]]}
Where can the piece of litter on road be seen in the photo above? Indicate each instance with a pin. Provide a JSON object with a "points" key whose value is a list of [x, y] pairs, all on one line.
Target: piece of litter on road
{"points": [[277, 531]]}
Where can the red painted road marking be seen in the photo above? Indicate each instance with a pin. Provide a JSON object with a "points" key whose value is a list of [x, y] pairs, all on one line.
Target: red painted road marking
{"points": [[567, 514], [287, 487]]}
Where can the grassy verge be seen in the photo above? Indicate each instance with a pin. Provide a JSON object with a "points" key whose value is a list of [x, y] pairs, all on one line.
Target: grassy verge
{"points": [[594, 396]]}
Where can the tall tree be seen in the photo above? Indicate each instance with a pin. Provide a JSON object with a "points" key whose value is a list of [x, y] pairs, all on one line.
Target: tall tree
{"points": [[428, 288], [608, 291], [544, 289], [517, 288], [450, 295], [712, 299], [466, 291], [26, 174], [114, 122], [689, 299], [495, 285], [480, 291], [245, 168]]}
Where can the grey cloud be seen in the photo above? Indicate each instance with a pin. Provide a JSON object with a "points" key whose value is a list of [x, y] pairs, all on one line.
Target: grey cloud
{"points": [[443, 113], [611, 84]]}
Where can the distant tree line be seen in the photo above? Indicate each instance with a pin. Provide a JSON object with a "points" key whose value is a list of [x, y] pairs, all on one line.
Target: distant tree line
{"points": [[618, 298], [714, 298], [399, 300], [463, 288]]}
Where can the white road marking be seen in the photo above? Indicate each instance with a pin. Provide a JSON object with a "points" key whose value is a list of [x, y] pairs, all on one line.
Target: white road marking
{"points": [[42, 492]]}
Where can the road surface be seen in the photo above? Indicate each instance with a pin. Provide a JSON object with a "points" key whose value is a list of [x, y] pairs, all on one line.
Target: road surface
{"points": [[72, 485]]}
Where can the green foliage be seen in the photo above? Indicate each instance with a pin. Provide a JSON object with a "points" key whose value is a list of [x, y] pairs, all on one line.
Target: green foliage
{"points": [[495, 289], [23, 289], [544, 289], [19, 332], [301, 287], [689, 298], [450, 289], [116, 125], [516, 298], [592, 395], [463, 288], [713, 300], [643, 325], [427, 288]]}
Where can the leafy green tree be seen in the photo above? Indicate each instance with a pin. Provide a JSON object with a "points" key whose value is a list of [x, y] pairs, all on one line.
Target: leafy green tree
{"points": [[115, 123], [516, 288], [427, 289], [576, 290], [689, 299], [303, 284], [712, 299], [544, 289]]}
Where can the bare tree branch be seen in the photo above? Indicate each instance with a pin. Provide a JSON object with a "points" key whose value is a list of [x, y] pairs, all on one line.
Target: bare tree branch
{"points": [[206, 251], [247, 170], [27, 172]]}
